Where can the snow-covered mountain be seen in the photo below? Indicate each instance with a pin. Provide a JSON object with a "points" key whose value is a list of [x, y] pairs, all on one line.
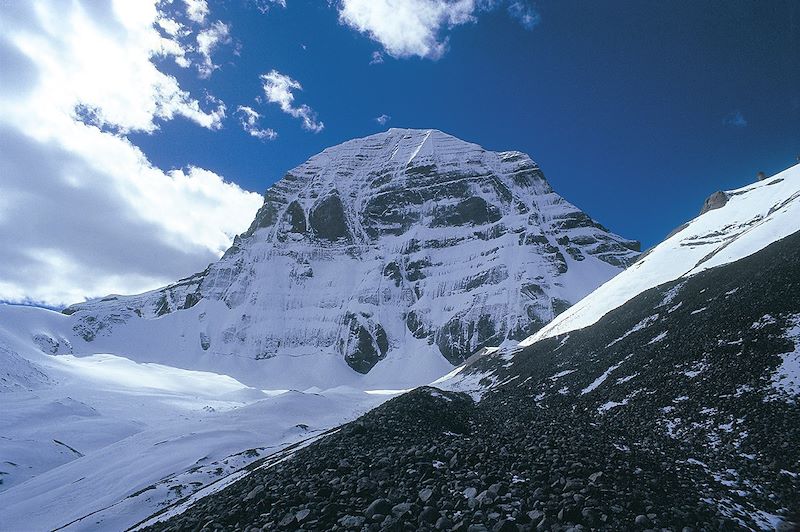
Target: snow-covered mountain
{"points": [[390, 254], [124, 407]]}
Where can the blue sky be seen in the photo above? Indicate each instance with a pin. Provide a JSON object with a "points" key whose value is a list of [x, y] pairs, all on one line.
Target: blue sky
{"points": [[138, 136], [635, 110]]}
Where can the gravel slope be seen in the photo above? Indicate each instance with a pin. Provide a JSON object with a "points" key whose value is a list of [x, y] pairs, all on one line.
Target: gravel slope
{"points": [[678, 409]]}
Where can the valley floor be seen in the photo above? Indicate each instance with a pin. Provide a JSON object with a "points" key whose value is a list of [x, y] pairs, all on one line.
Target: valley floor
{"points": [[103, 442]]}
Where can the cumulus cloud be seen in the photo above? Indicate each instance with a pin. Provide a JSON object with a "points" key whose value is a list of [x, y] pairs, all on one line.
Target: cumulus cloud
{"points": [[207, 40], [279, 88], [407, 28], [196, 10], [99, 59], [383, 119], [83, 212], [735, 119], [248, 118]]}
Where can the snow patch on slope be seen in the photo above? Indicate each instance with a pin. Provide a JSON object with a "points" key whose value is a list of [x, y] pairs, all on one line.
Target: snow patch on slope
{"points": [[786, 379], [602, 378]]}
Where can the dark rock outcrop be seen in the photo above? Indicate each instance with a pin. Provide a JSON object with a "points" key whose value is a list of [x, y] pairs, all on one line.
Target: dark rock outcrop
{"points": [[716, 200], [328, 220]]}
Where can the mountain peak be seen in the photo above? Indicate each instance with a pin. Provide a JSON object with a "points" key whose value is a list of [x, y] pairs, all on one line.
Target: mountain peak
{"points": [[393, 255], [401, 146]]}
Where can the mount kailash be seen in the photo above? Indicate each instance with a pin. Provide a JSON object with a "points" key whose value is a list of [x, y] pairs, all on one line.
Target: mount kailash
{"points": [[388, 254]]}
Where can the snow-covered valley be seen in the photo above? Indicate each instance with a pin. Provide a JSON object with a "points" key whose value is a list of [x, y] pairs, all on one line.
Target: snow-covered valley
{"points": [[102, 441]]}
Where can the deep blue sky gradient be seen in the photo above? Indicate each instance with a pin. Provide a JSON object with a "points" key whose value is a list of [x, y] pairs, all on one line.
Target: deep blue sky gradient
{"points": [[622, 104]]}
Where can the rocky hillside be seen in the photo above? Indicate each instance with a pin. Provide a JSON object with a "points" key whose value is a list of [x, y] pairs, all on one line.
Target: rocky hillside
{"points": [[409, 246], [678, 410], [732, 224]]}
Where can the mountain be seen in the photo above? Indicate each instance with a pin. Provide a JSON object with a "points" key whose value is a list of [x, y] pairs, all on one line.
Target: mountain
{"points": [[393, 254], [674, 405]]}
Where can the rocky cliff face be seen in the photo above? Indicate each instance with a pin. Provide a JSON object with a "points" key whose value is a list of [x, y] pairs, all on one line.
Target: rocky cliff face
{"points": [[405, 241]]}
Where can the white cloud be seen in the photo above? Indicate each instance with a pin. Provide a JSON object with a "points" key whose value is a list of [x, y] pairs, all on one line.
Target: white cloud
{"points": [[208, 39], [248, 118], [735, 119], [194, 40], [383, 119], [81, 57], [407, 28], [171, 27], [84, 213], [196, 10], [278, 89]]}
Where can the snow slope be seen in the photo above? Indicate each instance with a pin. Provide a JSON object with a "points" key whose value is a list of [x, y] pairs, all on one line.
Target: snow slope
{"points": [[754, 217]]}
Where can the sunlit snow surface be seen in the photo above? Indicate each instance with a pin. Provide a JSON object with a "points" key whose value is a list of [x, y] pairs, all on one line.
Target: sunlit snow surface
{"points": [[102, 441], [754, 217]]}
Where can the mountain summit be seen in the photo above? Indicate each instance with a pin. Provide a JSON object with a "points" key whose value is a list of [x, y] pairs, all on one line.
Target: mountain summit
{"points": [[391, 254]]}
